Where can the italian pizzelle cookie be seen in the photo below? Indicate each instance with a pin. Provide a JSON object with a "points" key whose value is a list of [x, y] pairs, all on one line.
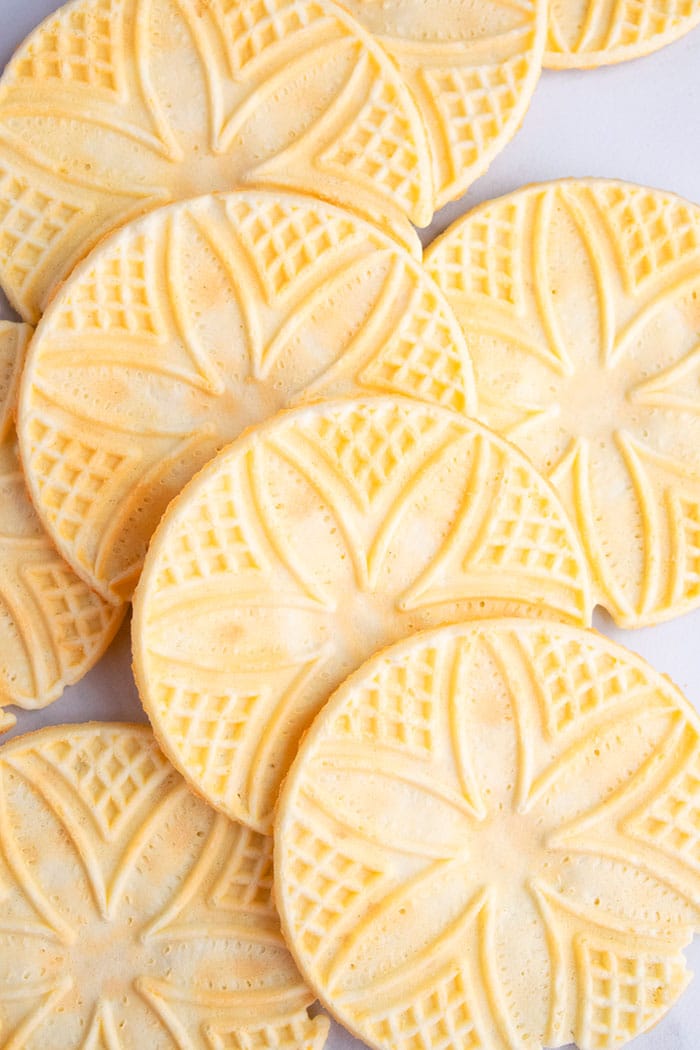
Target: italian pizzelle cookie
{"points": [[489, 839], [598, 32], [472, 69], [112, 107], [196, 321], [132, 914], [581, 304], [52, 627], [311, 542]]}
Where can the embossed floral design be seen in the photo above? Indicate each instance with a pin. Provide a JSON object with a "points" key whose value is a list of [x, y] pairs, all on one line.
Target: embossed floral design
{"points": [[602, 31], [52, 627], [490, 840], [130, 912], [472, 69], [580, 301], [195, 322], [114, 106], [308, 544]]}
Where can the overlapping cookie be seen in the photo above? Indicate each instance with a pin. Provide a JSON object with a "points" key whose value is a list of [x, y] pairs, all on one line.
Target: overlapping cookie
{"points": [[581, 303], [472, 69], [52, 627], [311, 542], [197, 320], [132, 914], [490, 839], [112, 107], [598, 32]]}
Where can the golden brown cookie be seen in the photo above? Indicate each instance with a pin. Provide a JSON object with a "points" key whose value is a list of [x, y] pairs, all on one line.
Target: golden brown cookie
{"points": [[580, 301], [132, 914], [53, 628], [112, 107], [490, 839], [311, 542]]}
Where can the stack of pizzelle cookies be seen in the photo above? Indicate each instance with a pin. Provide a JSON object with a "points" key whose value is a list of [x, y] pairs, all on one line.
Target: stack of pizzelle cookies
{"points": [[364, 504]]}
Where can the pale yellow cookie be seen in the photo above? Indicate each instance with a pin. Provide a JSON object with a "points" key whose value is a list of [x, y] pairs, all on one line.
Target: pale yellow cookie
{"points": [[587, 33], [133, 916], [490, 840], [196, 321], [580, 301], [310, 543], [111, 107], [472, 69], [53, 628]]}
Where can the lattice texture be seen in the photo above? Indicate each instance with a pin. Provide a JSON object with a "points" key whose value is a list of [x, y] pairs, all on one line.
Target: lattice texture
{"points": [[398, 710], [578, 679], [72, 476], [672, 822], [112, 773], [439, 1019], [207, 729], [81, 47], [369, 448], [117, 296], [522, 533], [690, 525], [248, 880], [32, 223], [219, 541], [285, 240], [476, 104], [484, 257], [638, 21], [157, 910], [543, 352], [327, 881], [297, 1035], [624, 995], [422, 358], [255, 27], [380, 147], [653, 232], [80, 621]]}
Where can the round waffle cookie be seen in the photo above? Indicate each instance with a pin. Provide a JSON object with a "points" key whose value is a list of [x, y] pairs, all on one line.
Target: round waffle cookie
{"points": [[192, 323], [132, 914], [111, 107], [489, 839], [52, 627], [581, 304], [600, 32], [310, 543], [472, 69]]}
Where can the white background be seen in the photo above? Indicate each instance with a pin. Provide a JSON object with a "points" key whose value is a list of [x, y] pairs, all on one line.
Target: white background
{"points": [[638, 121]]}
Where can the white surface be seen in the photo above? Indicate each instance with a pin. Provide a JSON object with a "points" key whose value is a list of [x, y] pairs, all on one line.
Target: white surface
{"points": [[638, 121]]}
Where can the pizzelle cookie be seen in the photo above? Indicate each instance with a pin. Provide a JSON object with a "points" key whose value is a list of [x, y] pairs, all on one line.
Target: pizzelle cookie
{"points": [[599, 32], [190, 324], [489, 839], [132, 914], [472, 69], [581, 304], [312, 541], [52, 627], [112, 107]]}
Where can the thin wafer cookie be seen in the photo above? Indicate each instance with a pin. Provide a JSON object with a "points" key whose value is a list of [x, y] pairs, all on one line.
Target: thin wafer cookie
{"points": [[53, 628], [599, 32], [580, 300], [489, 839], [132, 914], [312, 541], [472, 69], [112, 107], [190, 324]]}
